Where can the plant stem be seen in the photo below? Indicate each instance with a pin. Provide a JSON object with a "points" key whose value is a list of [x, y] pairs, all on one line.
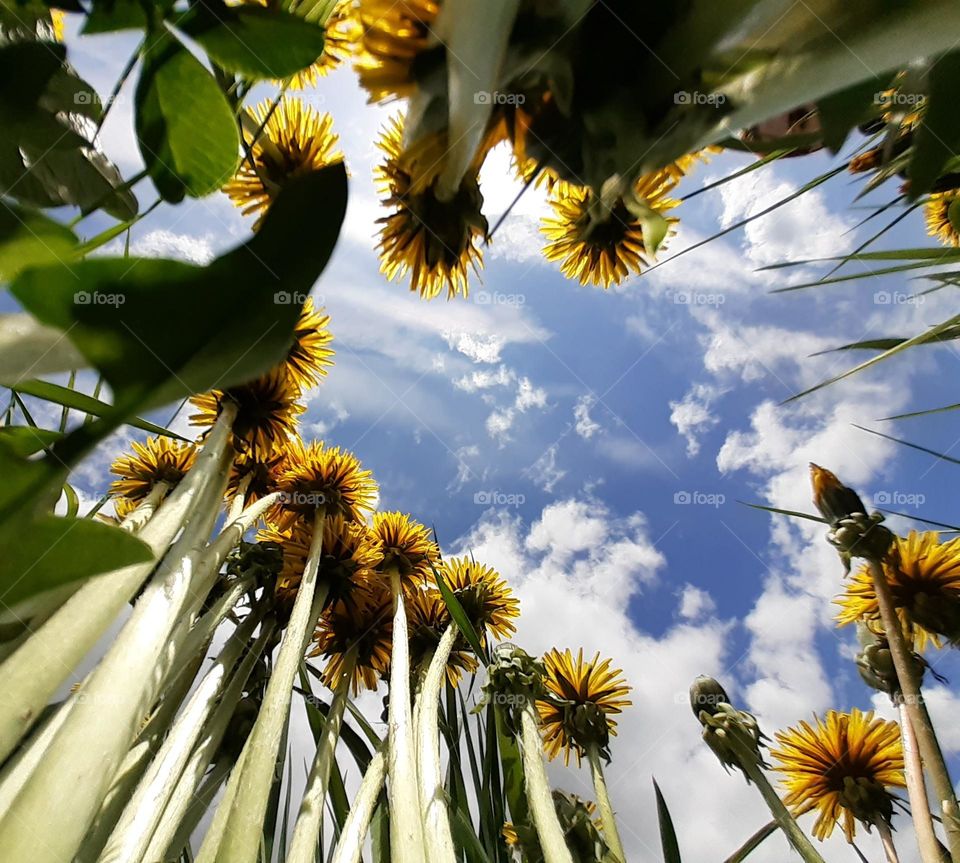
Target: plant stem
{"points": [[146, 508], [350, 844], [886, 839], [797, 838], [542, 809], [406, 820], [90, 745], [244, 823], [437, 836], [917, 789], [607, 818], [916, 711], [303, 846]]}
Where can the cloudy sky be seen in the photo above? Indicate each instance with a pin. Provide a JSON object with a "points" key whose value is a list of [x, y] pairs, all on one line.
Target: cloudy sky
{"points": [[595, 446]]}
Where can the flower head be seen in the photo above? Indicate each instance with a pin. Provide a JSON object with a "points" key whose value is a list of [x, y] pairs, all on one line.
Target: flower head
{"points": [[310, 352], [295, 140], [841, 767], [267, 411], [365, 625], [157, 459], [407, 546], [924, 579], [341, 38], [584, 696], [600, 243], [485, 596], [428, 620], [256, 474], [319, 477], [939, 223], [395, 34], [435, 240]]}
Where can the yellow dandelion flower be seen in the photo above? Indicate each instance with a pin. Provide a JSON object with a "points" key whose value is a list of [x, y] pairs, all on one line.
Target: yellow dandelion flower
{"points": [[365, 625], [342, 33], [510, 835], [310, 352], [395, 33], [585, 696], [157, 459], [267, 411], [937, 213], [407, 546], [257, 472], [841, 767], [485, 596], [295, 140], [428, 620], [601, 244], [434, 241], [924, 578], [319, 477], [57, 19]]}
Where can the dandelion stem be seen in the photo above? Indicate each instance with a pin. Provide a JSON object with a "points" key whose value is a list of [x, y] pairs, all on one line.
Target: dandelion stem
{"points": [[406, 821], [607, 818], [916, 710], [303, 846], [917, 789], [244, 823], [433, 799], [355, 828], [146, 507], [886, 839], [542, 809]]}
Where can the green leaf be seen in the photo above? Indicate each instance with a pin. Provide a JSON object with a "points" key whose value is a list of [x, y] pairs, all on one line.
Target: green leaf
{"points": [[923, 413], [253, 40], [792, 513], [668, 836], [74, 400], [752, 843], [466, 838], [73, 502], [939, 455], [186, 130], [844, 110], [25, 70], [460, 617], [953, 214], [108, 16], [28, 238], [937, 140], [25, 440]]}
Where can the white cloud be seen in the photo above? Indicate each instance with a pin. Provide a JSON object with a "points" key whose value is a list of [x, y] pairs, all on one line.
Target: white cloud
{"points": [[529, 396], [501, 421], [478, 347], [484, 379], [584, 424], [544, 471], [695, 603], [691, 415]]}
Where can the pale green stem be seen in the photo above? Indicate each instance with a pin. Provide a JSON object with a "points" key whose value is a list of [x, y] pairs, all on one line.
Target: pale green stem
{"points": [[303, 845], [99, 730], [437, 836], [886, 839], [244, 824], [788, 824], [916, 710], [350, 845], [406, 820], [917, 790], [187, 804], [608, 821], [539, 797], [30, 677], [144, 510], [23, 762], [133, 829]]}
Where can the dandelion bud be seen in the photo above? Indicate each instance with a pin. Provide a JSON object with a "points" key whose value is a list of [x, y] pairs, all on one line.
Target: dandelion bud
{"points": [[834, 500], [705, 694], [732, 734]]}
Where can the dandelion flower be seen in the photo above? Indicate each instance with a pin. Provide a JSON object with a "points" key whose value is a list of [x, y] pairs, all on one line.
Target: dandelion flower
{"points": [[267, 411], [585, 696], [157, 459], [319, 477], [407, 546], [939, 224], [310, 353], [428, 620], [486, 597], [341, 39], [257, 473], [924, 578], [295, 140], [841, 767]]}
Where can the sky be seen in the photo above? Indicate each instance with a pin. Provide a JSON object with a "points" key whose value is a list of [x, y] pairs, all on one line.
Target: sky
{"points": [[596, 447]]}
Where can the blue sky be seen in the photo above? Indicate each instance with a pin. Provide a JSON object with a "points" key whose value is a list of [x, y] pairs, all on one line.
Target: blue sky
{"points": [[593, 445]]}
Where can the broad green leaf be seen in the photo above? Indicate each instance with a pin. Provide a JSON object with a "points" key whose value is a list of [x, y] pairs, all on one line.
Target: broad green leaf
{"points": [[74, 400], [186, 130], [937, 140], [512, 764], [844, 110], [28, 238], [253, 40], [26, 440], [108, 16], [752, 843], [25, 70], [668, 836]]}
